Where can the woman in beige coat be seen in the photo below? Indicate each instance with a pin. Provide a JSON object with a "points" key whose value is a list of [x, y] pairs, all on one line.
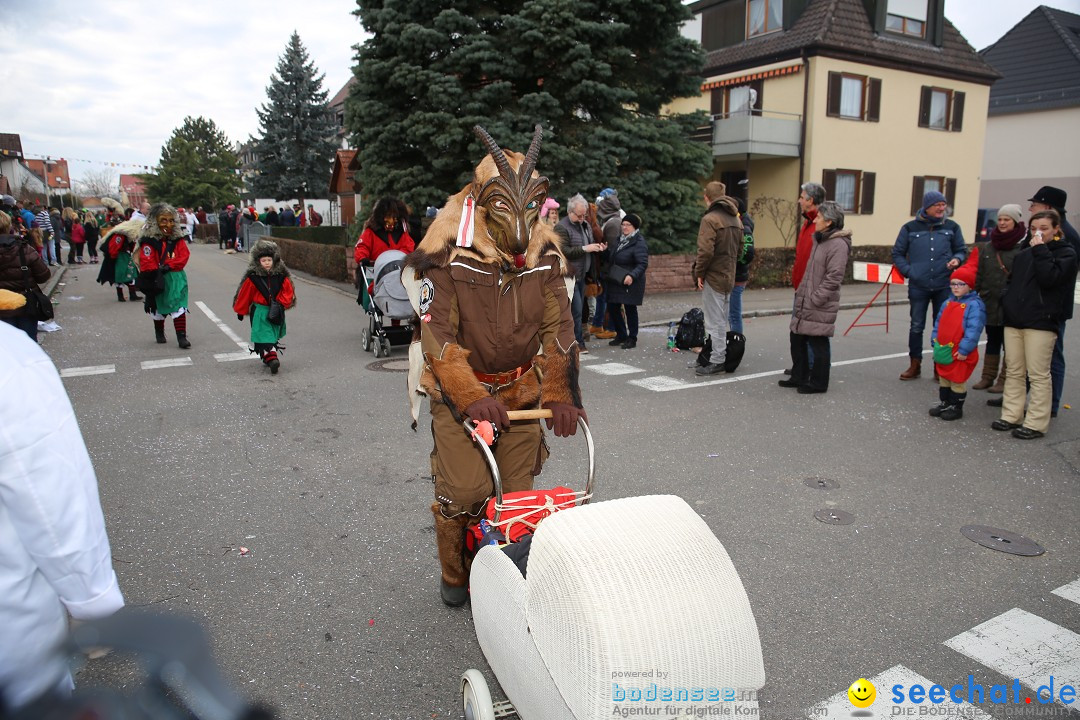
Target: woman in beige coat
{"points": [[817, 302]]}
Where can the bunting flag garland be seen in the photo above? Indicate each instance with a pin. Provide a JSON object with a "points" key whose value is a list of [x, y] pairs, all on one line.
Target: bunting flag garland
{"points": [[104, 163]]}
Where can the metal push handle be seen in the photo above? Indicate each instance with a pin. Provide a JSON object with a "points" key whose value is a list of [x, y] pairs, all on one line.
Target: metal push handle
{"points": [[534, 414]]}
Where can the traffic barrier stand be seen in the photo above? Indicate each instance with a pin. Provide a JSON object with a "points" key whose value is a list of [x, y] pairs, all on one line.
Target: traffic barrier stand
{"points": [[882, 273]]}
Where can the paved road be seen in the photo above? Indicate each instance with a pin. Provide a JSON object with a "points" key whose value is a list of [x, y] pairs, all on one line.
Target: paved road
{"points": [[334, 613]]}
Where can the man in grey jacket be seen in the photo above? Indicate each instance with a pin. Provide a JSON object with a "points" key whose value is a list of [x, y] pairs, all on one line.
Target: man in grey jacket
{"points": [[575, 237], [720, 237]]}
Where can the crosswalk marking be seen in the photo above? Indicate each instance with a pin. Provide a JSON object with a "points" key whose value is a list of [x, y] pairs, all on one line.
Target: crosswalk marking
{"points": [[233, 357], [221, 325], [1021, 645], [882, 709], [614, 368], [167, 362], [89, 370], [1070, 591]]}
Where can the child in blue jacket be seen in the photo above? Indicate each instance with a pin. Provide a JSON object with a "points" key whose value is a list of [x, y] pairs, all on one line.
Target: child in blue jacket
{"points": [[957, 330]]}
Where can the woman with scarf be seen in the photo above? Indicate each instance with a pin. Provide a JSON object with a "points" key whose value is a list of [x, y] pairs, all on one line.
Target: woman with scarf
{"points": [[991, 276], [626, 262]]}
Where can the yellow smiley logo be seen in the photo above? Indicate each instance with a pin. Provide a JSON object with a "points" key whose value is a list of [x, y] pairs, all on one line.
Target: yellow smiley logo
{"points": [[862, 693]]}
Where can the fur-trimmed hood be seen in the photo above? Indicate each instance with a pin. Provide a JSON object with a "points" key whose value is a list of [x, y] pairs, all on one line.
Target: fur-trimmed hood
{"points": [[150, 229], [266, 248], [131, 229]]}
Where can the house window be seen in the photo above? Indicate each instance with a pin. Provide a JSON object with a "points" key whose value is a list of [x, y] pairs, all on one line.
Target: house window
{"points": [[932, 183], [855, 97], [853, 190], [737, 100], [941, 109], [906, 17], [764, 16]]}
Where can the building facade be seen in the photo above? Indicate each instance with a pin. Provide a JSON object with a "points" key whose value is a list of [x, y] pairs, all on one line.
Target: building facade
{"points": [[880, 101]]}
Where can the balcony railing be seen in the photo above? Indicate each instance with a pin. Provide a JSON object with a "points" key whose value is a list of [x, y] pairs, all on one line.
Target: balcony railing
{"points": [[761, 134]]}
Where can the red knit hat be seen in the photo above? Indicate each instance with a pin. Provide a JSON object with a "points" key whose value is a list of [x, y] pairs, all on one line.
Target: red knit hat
{"points": [[965, 274]]}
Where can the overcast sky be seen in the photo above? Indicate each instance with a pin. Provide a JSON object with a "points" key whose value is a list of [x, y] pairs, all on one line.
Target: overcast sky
{"points": [[108, 81]]}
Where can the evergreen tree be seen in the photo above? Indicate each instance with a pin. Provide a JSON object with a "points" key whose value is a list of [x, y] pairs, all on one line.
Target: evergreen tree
{"points": [[197, 167], [296, 149], [593, 73]]}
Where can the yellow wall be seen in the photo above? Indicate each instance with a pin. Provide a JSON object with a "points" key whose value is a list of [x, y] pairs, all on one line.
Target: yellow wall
{"points": [[896, 148]]}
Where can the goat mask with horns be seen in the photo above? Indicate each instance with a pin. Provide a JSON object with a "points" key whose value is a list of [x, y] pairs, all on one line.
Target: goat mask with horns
{"points": [[496, 216]]}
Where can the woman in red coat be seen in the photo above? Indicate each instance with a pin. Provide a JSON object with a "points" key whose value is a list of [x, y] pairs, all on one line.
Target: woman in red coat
{"points": [[386, 229]]}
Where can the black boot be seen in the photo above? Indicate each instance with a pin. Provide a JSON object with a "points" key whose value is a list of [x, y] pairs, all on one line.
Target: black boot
{"points": [[159, 331], [182, 341], [132, 295], [120, 294], [955, 411], [944, 395]]}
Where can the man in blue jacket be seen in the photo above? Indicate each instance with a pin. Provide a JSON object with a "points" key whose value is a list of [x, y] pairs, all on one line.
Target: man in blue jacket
{"points": [[926, 252]]}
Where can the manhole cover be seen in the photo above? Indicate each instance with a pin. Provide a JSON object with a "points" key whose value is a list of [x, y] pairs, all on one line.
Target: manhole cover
{"points": [[1003, 540], [834, 517], [820, 483], [399, 365]]}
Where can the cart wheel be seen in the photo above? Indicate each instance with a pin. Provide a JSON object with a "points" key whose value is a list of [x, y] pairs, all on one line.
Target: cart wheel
{"points": [[475, 697], [365, 339], [386, 347]]}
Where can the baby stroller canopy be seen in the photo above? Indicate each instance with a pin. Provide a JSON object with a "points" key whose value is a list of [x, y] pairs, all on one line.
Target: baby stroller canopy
{"points": [[390, 293]]}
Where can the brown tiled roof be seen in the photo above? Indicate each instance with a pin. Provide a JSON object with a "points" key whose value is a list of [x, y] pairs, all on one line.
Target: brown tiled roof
{"points": [[339, 98], [842, 28]]}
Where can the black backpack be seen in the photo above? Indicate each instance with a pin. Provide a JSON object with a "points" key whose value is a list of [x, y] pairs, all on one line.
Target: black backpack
{"points": [[736, 348], [691, 331]]}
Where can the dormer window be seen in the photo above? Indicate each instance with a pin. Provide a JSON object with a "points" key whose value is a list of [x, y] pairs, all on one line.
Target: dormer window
{"points": [[764, 16], [906, 17]]}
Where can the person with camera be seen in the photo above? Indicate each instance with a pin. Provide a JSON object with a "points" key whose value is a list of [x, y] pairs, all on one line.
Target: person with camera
{"points": [[16, 253]]}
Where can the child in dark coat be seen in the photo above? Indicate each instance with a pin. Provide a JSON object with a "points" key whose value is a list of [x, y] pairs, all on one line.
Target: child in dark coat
{"points": [[955, 339], [266, 283]]}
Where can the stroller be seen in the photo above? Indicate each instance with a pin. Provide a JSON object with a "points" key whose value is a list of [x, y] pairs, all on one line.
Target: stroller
{"points": [[624, 604], [389, 313]]}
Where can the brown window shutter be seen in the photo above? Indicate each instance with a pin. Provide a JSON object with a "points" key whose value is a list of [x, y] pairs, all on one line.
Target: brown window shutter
{"points": [[916, 195], [716, 101], [828, 181], [866, 205], [832, 104], [873, 100], [950, 192], [924, 106], [958, 112]]}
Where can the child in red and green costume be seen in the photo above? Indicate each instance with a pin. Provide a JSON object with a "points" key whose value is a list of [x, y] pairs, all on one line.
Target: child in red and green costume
{"points": [[266, 279], [162, 248], [957, 330]]}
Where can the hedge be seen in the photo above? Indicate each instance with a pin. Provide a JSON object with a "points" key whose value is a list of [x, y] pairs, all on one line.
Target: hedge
{"points": [[323, 234], [319, 259]]}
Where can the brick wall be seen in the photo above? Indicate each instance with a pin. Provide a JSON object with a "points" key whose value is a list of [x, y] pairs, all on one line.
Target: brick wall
{"points": [[669, 273]]}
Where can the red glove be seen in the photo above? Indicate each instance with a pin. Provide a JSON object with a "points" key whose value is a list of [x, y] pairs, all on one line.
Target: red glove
{"points": [[564, 418], [491, 410]]}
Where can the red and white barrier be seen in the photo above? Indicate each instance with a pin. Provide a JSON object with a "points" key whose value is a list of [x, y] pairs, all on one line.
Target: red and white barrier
{"points": [[877, 273]]}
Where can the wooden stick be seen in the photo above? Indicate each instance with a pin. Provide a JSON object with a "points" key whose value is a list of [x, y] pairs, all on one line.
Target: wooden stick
{"points": [[536, 414]]}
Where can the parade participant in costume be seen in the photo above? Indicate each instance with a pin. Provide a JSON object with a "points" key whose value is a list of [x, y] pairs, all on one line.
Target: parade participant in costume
{"points": [[163, 253], [495, 335], [266, 279], [118, 268], [955, 339]]}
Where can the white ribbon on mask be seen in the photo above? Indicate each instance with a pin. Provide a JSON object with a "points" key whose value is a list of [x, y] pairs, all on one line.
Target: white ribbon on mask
{"points": [[467, 226]]}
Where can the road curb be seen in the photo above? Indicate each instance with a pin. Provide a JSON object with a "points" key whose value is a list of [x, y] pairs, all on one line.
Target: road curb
{"points": [[773, 313], [54, 280]]}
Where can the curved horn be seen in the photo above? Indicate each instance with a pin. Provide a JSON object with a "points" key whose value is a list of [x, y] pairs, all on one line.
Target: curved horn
{"points": [[495, 151], [529, 165]]}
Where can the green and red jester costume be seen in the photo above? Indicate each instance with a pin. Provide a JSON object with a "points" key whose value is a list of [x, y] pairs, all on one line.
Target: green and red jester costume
{"points": [[258, 292]]}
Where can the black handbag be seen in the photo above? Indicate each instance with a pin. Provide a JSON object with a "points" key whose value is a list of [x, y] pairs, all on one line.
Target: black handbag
{"points": [[38, 305], [276, 314], [617, 274], [151, 282]]}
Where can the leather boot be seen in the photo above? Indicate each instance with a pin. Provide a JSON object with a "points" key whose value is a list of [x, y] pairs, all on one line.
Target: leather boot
{"points": [[132, 295], [182, 341], [955, 411], [945, 396], [450, 541], [159, 330], [999, 385], [990, 370], [120, 294], [914, 370]]}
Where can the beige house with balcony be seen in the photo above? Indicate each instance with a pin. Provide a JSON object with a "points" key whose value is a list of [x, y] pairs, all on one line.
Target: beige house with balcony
{"points": [[880, 101]]}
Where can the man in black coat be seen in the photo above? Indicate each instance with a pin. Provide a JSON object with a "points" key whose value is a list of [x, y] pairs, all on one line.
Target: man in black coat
{"points": [[1052, 198]]}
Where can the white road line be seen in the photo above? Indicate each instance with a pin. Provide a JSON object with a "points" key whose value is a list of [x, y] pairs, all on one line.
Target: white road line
{"points": [[883, 707], [167, 362], [613, 368], [89, 370], [1070, 591], [233, 357], [1020, 645], [221, 325], [587, 357]]}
